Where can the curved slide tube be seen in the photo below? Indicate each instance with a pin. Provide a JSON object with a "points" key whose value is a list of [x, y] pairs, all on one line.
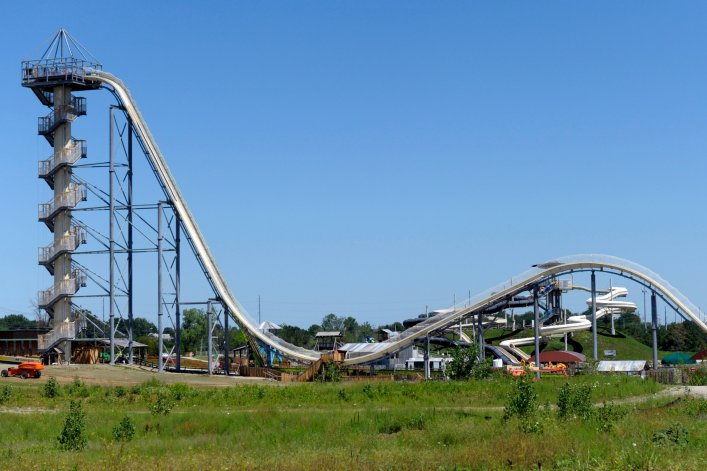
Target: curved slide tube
{"points": [[606, 304], [505, 291]]}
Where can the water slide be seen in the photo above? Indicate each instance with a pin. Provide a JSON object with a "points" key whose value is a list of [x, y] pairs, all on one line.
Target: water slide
{"points": [[606, 304], [454, 315]]}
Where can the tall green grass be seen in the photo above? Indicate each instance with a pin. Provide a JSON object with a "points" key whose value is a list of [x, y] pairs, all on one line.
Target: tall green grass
{"points": [[368, 426]]}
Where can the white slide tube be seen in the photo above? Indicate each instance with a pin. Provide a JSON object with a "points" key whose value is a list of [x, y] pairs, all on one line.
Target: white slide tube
{"points": [[436, 323]]}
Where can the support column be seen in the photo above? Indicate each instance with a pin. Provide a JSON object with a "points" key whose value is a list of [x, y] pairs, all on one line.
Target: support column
{"points": [[130, 240], [595, 346], [111, 237], [160, 294], [427, 357], [226, 335], [62, 221], [209, 327], [654, 329], [178, 316], [536, 324], [482, 340]]}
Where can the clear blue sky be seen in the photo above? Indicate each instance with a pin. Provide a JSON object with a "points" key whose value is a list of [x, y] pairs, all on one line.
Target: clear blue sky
{"points": [[371, 158]]}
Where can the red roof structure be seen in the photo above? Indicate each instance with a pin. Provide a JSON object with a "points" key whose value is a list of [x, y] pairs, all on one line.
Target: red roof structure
{"points": [[699, 355], [560, 357]]}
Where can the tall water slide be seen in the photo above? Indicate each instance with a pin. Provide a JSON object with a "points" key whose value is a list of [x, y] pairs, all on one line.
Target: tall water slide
{"points": [[519, 284]]}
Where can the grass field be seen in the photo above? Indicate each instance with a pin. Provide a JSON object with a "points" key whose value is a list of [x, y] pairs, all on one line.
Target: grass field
{"points": [[436, 425]]}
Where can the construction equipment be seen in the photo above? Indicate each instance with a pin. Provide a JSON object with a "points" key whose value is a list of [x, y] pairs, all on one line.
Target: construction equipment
{"points": [[24, 370]]}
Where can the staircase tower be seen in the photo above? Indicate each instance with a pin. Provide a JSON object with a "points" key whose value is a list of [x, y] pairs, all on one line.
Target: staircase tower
{"points": [[53, 78]]}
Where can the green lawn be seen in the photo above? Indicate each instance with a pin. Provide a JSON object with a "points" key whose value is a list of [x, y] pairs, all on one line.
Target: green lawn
{"points": [[437, 425]]}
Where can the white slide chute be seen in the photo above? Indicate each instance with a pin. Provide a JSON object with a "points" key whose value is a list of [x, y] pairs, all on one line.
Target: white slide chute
{"points": [[606, 305], [433, 324]]}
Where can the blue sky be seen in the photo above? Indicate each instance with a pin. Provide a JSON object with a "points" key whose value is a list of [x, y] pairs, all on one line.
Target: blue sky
{"points": [[371, 158]]}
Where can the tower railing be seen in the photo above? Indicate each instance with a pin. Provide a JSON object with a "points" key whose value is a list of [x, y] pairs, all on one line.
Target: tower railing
{"points": [[68, 243], [36, 72], [61, 114], [66, 330], [66, 287], [68, 156], [66, 200]]}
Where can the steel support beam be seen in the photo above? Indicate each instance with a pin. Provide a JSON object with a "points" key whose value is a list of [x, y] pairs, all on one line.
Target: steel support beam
{"points": [[654, 329], [178, 326], [209, 328], [130, 240], [427, 357], [226, 335], [111, 236], [536, 324], [160, 293], [595, 346]]}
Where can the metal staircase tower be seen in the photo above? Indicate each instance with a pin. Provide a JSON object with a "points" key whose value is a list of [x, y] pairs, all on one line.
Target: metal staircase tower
{"points": [[53, 78]]}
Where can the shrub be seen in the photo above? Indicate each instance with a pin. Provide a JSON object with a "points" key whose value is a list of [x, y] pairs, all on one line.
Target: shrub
{"points": [[77, 388], [390, 428], [698, 377], [124, 431], [416, 423], [120, 391], [675, 435], [72, 435], [466, 364], [368, 390], [574, 401], [522, 400], [607, 415], [5, 393], [344, 395], [162, 405], [330, 372], [50, 388]]}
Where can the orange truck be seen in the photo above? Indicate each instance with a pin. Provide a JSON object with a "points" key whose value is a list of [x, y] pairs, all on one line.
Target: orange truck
{"points": [[24, 370]]}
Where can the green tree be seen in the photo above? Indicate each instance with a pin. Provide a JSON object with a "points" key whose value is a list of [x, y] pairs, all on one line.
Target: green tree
{"points": [[142, 327], [332, 322], [16, 321], [193, 332]]}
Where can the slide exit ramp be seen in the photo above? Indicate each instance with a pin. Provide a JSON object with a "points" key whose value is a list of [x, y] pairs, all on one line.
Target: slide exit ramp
{"points": [[523, 282]]}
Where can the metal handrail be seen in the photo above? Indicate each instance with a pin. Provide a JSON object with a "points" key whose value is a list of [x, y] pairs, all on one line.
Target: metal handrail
{"points": [[63, 331], [68, 243], [50, 69], [68, 199], [70, 155], [66, 287]]}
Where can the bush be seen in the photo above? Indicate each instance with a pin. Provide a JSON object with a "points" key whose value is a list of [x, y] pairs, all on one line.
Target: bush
{"points": [[675, 435], [344, 395], [466, 364], [574, 401], [72, 435], [5, 393], [124, 431], [162, 405], [522, 400], [698, 377], [607, 415], [50, 388], [77, 388], [330, 372]]}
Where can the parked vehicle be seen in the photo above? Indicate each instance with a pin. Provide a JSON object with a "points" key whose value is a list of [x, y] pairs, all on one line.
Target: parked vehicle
{"points": [[24, 370]]}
